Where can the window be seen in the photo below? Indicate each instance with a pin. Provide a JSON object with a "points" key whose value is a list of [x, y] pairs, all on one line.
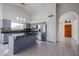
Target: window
{"points": [[16, 26]]}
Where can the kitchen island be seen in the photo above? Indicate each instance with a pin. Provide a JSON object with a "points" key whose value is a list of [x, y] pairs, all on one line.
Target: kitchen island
{"points": [[19, 42]]}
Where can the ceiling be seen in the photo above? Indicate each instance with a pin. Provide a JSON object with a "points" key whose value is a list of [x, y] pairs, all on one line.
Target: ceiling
{"points": [[35, 8]]}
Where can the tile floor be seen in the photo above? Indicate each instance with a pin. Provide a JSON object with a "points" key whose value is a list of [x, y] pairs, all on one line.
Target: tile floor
{"points": [[45, 49], [3, 49]]}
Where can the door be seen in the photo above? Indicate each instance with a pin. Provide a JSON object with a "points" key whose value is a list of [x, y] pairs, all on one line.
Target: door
{"points": [[68, 30]]}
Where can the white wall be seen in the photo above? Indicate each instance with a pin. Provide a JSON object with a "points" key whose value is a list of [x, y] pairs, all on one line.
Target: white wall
{"points": [[75, 31], [11, 12], [51, 22], [0, 10], [0, 20]]}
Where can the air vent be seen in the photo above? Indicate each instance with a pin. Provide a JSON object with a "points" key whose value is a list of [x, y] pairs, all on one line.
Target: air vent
{"points": [[50, 16], [23, 4]]}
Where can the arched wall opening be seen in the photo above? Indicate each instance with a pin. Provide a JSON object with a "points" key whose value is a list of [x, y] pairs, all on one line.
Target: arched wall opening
{"points": [[73, 17]]}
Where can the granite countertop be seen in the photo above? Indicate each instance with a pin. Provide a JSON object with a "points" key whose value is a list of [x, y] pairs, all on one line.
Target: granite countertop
{"points": [[16, 31], [11, 31], [19, 32]]}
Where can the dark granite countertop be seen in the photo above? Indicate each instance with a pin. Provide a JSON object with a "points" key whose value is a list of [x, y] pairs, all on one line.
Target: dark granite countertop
{"points": [[19, 31]]}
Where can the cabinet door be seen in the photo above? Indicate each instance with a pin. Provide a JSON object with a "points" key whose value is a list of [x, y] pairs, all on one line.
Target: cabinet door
{"points": [[6, 38], [6, 24], [1, 24], [68, 30]]}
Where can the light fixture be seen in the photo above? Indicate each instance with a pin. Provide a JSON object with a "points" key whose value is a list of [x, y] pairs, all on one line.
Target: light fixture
{"points": [[17, 18], [68, 21], [21, 19]]}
